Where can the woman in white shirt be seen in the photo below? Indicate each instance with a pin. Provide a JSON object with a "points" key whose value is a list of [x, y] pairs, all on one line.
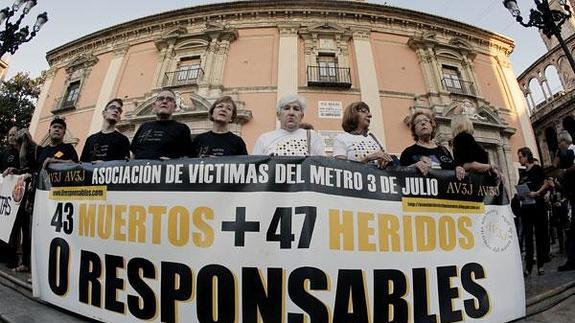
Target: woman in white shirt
{"points": [[357, 143], [290, 139]]}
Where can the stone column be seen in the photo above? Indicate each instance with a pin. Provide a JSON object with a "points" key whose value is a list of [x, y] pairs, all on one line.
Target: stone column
{"points": [[517, 105], [41, 104], [368, 83], [205, 83], [166, 55], [287, 62], [107, 89]]}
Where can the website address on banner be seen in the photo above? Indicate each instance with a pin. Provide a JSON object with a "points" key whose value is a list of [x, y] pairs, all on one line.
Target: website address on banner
{"points": [[78, 193], [442, 206]]}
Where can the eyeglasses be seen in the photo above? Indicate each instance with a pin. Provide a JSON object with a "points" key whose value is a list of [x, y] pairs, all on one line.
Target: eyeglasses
{"points": [[165, 98], [420, 121], [362, 109]]}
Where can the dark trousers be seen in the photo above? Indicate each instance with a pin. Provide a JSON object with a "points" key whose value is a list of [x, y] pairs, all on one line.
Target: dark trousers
{"points": [[571, 237], [535, 221], [23, 225]]}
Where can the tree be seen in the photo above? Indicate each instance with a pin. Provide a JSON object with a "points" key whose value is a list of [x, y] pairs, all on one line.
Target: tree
{"points": [[18, 97]]}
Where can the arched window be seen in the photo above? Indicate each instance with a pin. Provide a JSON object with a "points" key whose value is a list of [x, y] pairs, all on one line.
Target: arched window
{"points": [[536, 91], [553, 81]]}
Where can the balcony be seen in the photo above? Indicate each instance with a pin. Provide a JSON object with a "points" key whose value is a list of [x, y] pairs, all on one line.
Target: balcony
{"points": [[62, 104], [336, 77], [458, 86], [183, 77]]}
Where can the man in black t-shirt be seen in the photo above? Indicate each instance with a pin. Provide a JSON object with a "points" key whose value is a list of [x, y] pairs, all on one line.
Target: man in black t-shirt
{"points": [[109, 143], [56, 151], [220, 141], [163, 138], [10, 157]]}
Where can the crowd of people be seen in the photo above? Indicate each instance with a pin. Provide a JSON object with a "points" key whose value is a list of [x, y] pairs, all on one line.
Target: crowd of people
{"points": [[165, 138]]}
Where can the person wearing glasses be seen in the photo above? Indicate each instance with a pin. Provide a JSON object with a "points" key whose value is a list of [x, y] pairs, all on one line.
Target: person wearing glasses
{"points": [[109, 143], [290, 139], [220, 141], [425, 154], [357, 143], [162, 138]]}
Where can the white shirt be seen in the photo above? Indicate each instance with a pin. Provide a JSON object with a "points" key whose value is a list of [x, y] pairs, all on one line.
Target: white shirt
{"points": [[572, 147], [281, 142], [354, 147]]}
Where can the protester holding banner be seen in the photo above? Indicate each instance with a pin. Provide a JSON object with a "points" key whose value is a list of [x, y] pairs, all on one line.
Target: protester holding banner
{"points": [[9, 157], [8, 161], [162, 138], [467, 153], [56, 151], [24, 195], [425, 154], [109, 143], [357, 143], [220, 141], [533, 210], [290, 139]]}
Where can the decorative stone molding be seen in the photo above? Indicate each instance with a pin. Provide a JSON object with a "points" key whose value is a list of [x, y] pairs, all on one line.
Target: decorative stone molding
{"points": [[81, 62], [288, 29]]}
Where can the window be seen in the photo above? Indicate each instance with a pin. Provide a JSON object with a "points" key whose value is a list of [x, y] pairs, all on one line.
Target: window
{"points": [[451, 79], [188, 69], [327, 67], [71, 94]]}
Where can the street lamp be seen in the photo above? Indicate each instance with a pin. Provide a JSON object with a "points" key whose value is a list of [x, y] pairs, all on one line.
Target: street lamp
{"points": [[13, 36], [547, 20]]}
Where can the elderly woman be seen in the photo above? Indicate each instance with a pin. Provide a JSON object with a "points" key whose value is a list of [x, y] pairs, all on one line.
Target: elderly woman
{"points": [[533, 213], [290, 139], [357, 143], [220, 141], [425, 154], [467, 153]]}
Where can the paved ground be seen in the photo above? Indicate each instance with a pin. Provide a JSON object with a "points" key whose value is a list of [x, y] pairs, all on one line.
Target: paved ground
{"points": [[563, 312], [17, 308]]}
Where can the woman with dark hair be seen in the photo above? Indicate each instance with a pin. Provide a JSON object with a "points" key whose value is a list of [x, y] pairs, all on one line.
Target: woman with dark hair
{"points": [[425, 154], [357, 143], [219, 141], [533, 210]]}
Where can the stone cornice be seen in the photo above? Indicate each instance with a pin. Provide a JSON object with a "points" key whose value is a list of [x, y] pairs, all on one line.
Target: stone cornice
{"points": [[273, 12]]}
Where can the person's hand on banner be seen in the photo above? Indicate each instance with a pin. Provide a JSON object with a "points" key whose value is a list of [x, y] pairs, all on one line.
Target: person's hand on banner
{"points": [[8, 171], [460, 172], [423, 165]]}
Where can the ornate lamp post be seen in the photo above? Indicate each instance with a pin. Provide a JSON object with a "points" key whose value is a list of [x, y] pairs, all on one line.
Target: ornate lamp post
{"points": [[547, 20], [13, 36]]}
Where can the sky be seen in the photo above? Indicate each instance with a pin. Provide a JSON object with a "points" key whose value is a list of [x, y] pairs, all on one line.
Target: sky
{"points": [[71, 19]]}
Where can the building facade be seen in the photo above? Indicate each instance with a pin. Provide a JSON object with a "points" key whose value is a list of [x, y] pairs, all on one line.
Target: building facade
{"points": [[548, 86], [395, 60]]}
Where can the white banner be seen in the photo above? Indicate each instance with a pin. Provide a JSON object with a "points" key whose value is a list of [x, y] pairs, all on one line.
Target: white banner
{"points": [[281, 254], [11, 195]]}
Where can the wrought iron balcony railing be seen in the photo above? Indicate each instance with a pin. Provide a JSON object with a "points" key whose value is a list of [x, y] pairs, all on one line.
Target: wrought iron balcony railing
{"points": [[183, 77], [328, 76], [459, 86]]}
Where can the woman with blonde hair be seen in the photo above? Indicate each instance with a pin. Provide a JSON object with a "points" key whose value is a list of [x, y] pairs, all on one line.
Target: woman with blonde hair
{"points": [[425, 154], [467, 153], [357, 143]]}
